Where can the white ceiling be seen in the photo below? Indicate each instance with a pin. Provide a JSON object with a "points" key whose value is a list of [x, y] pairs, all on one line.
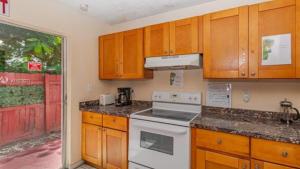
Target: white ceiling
{"points": [[119, 11]]}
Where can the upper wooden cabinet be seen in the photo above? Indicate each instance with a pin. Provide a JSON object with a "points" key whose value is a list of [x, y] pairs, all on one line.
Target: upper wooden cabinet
{"points": [[184, 36], [233, 41], [121, 56], [174, 38], [226, 44], [273, 18], [157, 40], [109, 56]]}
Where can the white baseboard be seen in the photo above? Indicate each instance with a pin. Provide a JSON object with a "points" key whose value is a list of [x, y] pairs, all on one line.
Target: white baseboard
{"points": [[76, 164]]}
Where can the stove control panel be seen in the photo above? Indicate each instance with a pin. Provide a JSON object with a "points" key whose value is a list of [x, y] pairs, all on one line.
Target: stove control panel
{"points": [[177, 97]]}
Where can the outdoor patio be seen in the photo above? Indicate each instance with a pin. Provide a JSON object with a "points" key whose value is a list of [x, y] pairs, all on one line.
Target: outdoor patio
{"points": [[43, 152]]}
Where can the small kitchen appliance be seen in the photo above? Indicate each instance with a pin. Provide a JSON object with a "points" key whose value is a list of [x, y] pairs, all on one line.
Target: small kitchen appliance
{"points": [[287, 108], [106, 99], [159, 138], [124, 96]]}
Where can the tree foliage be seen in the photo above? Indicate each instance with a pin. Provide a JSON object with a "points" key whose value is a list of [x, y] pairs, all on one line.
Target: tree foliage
{"points": [[18, 46]]}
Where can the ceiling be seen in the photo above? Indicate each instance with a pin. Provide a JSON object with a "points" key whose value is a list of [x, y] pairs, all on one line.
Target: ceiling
{"points": [[119, 11]]}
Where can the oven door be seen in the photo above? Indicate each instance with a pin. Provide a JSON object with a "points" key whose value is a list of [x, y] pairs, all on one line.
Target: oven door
{"points": [[159, 145]]}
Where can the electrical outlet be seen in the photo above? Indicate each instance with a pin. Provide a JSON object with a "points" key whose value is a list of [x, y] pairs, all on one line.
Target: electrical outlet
{"points": [[246, 96]]}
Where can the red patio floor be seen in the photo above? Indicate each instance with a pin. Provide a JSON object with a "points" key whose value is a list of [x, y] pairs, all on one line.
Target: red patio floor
{"points": [[46, 156]]}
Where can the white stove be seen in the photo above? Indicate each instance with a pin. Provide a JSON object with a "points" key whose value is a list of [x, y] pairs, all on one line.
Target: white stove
{"points": [[159, 138]]}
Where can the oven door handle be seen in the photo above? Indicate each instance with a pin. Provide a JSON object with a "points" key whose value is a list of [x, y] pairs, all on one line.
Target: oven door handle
{"points": [[172, 130]]}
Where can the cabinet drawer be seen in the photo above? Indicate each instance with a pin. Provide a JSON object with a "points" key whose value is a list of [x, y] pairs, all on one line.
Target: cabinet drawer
{"points": [[277, 152], [92, 118], [114, 122], [228, 143]]}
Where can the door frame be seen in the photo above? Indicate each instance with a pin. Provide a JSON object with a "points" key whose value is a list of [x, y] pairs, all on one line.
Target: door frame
{"points": [[64, 79]]}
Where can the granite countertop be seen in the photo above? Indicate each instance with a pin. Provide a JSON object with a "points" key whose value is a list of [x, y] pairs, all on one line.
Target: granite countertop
{"points": [[257, 124], [93, 106]]}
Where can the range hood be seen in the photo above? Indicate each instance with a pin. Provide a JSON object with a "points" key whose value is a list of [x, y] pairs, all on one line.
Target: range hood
{"points": [[192, 61]]}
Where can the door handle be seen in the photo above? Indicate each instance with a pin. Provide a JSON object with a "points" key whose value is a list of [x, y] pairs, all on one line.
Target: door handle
{"points": [[169, 130]]}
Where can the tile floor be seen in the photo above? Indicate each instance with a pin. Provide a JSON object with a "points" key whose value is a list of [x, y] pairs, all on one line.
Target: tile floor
{"points": [[84, 166]]}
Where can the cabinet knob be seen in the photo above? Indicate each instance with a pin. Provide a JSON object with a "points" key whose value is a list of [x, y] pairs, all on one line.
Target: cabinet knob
{"points": [[253, 74], [243, 74], [285, 154], [91, 117], [219, 141], [166, 52], [244, 166], [172, 51], [114, 120], [256, 166]]}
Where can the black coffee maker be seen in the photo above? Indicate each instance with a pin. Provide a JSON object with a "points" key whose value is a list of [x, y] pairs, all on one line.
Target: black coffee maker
{"points": [[124, 97]]}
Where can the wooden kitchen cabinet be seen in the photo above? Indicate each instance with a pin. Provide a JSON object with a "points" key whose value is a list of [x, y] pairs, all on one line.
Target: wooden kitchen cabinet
{"points": [[174, 38], [157, 40], [255, 164], [105, 144], [109, 56], [92, 143], [114, 149], [273, 18], [184, 36], [226, 44], [212, 160], [122, 56]]}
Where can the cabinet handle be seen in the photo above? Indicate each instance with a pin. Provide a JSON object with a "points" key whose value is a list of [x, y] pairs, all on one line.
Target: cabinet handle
{"points": [[256, 166], [285, 154], [114, 120], [91, 117], [219, 141], [166, 52], [243, 74], [171, 51], [253, 74]]}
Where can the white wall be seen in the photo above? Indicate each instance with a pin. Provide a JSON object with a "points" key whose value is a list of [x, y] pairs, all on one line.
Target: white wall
{"points": [[265, 94], [82, 40]]}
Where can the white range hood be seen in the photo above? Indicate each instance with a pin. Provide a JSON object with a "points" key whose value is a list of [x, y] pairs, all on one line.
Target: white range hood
{"points": [[192, 61]]}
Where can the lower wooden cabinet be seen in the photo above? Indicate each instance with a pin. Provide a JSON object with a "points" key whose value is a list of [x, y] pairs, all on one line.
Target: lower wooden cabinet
{"points": [[92, 143], [255, 164], [102, 145], [212, 160], [114, 149]]}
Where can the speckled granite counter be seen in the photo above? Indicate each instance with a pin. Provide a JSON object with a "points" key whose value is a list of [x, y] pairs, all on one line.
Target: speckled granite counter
{"points": [[264, 125], [93, 106]]}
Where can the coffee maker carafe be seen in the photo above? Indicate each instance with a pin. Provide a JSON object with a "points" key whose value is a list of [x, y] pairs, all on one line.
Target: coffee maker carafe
{"points": [[124, 96], [287, 107]]}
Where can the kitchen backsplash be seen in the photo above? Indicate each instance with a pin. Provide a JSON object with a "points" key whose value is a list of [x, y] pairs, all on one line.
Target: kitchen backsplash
{"points": [[264, 94]]}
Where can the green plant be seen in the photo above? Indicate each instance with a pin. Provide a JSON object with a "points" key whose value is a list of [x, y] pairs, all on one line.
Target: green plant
{"points": [[18, 46]]}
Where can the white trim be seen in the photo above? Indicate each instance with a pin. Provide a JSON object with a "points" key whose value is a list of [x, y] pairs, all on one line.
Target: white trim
{"points": [[65, 84]]}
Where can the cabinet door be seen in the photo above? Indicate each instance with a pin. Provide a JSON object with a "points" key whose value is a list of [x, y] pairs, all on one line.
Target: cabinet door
{"points": [[211, 160], [184, 36], [255, 164], [114, 149], [132, 59], [91, 143], [109, 54], [226, 44], [269, 19], [157, 40]]}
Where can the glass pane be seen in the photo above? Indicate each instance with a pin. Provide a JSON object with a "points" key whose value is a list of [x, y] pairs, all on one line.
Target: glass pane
{"points": [[157, 142], [30, 98]]}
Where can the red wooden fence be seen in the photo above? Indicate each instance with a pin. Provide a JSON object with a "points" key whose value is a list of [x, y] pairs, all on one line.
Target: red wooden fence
{"points": [[21, 122]]}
